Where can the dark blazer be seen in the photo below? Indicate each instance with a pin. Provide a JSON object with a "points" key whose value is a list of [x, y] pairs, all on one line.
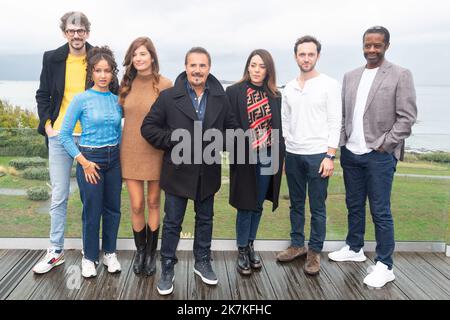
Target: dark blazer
{"points": [[390, 110], [174, 110], [243, 187], [52, 83]]}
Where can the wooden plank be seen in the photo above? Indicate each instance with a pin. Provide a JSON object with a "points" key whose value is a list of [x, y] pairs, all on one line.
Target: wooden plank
{"points": [[281, 282], [201, 291], [255, 287], [9, 259], [439, 264], [418, 277], [358, 270], [403, 282], [344, 283], [423, 267], [11, 280], [44, 286], [443, 257]]}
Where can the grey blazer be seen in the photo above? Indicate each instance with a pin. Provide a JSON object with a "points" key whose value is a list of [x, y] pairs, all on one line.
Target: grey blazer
{"points": [[390, 109]]}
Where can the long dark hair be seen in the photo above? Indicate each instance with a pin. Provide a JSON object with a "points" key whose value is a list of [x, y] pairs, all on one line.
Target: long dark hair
{"points": [[94, 56], [270, 81], [130, 70]]}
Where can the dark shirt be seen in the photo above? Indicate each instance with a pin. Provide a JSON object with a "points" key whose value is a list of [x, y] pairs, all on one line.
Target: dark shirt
{"points": [[199, 103]]}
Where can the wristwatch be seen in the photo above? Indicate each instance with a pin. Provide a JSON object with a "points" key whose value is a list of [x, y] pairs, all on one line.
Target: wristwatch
{"points": [[330, 156]]}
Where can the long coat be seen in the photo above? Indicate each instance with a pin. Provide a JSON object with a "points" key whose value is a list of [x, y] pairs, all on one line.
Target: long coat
{"points": [[174, 110], [52, 83], [243, 185]]}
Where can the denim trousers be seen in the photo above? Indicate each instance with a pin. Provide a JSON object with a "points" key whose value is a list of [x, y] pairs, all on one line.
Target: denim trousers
{"points": [[101, 201], [175, 209], [60, 167], [247, 221], [369, 176], [302, 173]]}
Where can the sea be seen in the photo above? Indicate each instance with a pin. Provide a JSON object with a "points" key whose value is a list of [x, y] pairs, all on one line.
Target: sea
{"points": [[430, 133]]}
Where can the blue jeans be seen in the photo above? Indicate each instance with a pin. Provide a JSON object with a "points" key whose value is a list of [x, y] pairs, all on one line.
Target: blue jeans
{"points": [[175, 209], [60, 166], [302, 173], [247, 221], [369, 176], [101, 201]]}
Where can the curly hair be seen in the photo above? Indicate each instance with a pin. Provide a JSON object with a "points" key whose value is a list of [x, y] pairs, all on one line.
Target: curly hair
{"points": [[131, 72], [94, 56]]}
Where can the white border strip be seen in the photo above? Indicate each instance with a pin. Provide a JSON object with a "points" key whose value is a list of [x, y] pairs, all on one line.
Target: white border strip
{"points": [[224, 245]]}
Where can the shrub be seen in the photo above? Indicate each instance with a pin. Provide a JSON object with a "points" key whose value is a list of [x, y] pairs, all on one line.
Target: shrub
{"points": [[24, 142], [23, 163], [38, 193], [36, 174], [441, 157]]}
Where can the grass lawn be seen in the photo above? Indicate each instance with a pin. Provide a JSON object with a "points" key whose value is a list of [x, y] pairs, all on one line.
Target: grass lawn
{"points": [[420, 209]]}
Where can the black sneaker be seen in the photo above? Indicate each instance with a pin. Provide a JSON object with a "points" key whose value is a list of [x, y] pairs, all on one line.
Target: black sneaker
{"points": [[165, 283], [204, 269]]}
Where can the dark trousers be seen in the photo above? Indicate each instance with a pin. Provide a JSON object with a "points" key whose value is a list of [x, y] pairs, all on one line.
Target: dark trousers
{"points": [[175, 209], [369, 176], [101, 201], [247, 221], [302, 173]]}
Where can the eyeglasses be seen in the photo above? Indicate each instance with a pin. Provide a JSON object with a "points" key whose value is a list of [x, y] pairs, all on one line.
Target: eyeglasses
{"points": [[71, 32]]}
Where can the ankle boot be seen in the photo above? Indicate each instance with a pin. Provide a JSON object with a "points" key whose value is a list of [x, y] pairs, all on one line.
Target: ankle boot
{"points": [[253, 257], [150, 251], [139, 258], [242, 263]]}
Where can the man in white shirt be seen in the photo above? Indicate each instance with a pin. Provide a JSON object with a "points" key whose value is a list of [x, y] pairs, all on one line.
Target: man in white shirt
{"points": [[311, 122], [379, 109]]}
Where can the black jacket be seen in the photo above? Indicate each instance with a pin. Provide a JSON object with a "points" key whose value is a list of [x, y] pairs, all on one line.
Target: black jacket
{"points": [[52, 83], [174, 110], [243, 185]]}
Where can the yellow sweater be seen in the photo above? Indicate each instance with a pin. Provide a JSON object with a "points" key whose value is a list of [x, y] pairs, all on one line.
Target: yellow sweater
{"points": [[75, 84]]}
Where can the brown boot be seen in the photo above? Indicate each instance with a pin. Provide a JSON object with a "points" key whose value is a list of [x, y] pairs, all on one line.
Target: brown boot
{"points": [[312, 265], [291, 253]]}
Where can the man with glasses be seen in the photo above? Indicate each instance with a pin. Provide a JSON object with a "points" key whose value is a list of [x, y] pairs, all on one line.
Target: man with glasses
{"points": [[63, 76], [379, 109]]}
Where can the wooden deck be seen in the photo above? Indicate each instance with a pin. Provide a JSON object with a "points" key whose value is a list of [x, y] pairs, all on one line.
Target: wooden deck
{"points": [[424, 276]]}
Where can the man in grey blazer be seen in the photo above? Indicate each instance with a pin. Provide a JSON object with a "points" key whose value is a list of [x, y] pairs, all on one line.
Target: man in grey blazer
{"points": [[379, 109]]}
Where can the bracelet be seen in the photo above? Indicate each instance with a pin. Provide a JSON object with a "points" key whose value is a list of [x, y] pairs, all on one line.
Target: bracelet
{"points": [[87, 166]]}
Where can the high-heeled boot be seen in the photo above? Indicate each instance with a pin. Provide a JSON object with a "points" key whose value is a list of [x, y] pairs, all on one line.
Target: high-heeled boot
{"points": [[139, 258], [150, 251]]}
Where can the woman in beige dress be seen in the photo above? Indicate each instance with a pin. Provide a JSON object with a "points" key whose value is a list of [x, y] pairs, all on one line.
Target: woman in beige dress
{"points": [[141, 163]]}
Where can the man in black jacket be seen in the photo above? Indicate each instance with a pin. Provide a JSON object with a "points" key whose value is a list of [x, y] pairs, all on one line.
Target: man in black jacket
{"points": [[197, 100], [63, 76]]}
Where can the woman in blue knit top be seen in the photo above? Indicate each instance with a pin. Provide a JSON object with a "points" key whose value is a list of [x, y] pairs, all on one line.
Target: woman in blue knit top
{"points": [[98, 170]]}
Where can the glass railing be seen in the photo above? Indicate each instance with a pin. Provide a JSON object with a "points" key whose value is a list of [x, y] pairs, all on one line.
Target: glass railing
{"points": [[420, 198]]}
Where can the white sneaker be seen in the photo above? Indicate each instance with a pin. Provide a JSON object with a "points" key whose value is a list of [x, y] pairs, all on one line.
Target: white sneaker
{"points": [[110, 260], [51, 259], [379, 275], [88, 268], [345, 254]]}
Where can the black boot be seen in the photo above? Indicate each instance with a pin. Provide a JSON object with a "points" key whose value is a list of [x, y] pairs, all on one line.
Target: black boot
{"points": [[139, 258], [253, 257], [243, 264], [150, 255]]}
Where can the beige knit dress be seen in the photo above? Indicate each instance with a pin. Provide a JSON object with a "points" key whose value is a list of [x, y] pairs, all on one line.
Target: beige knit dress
{"points": [[139, 160]]}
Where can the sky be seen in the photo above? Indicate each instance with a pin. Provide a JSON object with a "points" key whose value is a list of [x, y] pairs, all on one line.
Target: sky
{"points": [[230, 30]]}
